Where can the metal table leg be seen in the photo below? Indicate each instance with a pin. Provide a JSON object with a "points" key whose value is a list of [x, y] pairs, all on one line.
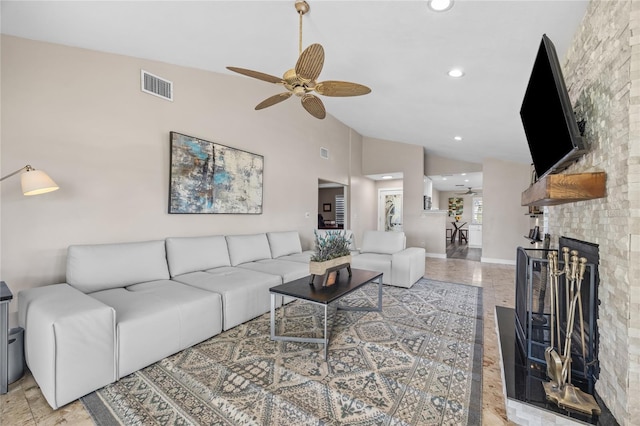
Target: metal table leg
{"points": [[367, 308], [326, 328]]}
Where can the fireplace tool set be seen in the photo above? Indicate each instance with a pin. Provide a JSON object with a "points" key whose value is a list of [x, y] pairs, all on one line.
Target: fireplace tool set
{"points": [[559, 389]]}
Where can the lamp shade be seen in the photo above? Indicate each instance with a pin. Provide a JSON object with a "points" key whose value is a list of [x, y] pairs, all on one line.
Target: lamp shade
{"points": [[36, 182]]}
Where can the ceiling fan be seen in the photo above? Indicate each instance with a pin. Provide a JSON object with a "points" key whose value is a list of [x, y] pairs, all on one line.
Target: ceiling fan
{"points": [[469, 192], [301, 80]]}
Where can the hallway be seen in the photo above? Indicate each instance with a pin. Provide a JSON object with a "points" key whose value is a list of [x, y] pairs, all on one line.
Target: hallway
{"points": [[457, 250]]}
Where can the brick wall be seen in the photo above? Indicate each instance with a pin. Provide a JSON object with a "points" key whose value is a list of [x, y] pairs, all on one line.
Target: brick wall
{"points": [[602, 72]]}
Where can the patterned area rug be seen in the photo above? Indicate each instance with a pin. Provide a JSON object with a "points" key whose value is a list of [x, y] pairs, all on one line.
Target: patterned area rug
{"points": [[418, 362]]}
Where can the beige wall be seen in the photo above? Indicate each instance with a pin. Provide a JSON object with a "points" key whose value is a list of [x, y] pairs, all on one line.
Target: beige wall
{"points": [[380, 156], [389, 184], [80, 116], [361, 208], [434, 223], [436, 165], [504, 221]]}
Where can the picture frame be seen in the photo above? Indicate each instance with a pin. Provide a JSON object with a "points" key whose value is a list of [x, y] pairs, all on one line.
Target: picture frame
{"points": [[456, 206], [332, 277], [211, 178], [326, 207]]}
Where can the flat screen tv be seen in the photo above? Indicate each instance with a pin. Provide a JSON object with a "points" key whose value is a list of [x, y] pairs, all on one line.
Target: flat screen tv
{"points": [[547, 116]]}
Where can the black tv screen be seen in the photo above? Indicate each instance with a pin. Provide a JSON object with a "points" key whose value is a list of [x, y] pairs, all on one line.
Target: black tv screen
{"points": [[547, 116]]}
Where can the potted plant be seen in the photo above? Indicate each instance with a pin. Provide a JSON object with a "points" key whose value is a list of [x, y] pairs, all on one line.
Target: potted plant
{"points": [[332, 253]]}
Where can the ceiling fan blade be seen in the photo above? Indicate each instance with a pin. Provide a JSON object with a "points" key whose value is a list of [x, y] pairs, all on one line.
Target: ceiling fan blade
{"points": [[310, 63], [273, 100], [314, 106], [341, 88], [256, 74], [469, 192]]}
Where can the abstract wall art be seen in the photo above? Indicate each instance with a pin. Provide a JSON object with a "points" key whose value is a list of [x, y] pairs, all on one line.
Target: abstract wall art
{"points": [[456, 205], [208, 177]]}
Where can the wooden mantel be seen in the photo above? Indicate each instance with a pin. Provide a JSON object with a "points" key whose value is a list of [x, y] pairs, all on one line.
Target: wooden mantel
{"points": [[564, 188]]}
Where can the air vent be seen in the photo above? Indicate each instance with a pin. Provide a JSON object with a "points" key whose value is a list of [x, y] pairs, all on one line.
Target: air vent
{"points": [[324, 153], [157, 86]]}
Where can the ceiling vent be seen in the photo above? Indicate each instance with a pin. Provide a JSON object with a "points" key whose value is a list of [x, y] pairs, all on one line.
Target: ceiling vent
{"points": [[157, 86], [324, 153]]}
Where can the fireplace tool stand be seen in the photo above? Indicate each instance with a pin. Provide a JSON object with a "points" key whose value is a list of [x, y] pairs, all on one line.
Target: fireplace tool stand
{"points": [[559, 389]]}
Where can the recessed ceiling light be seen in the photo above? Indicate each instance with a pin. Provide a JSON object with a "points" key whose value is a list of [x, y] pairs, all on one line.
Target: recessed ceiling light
{"points": [[440, 5], [444, 178], [458, 138], [466, 180], [463, 174], [387, 177], [455, 73]]}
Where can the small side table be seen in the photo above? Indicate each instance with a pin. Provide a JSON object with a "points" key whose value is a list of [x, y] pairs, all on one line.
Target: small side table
{"points": [[5, 298]]}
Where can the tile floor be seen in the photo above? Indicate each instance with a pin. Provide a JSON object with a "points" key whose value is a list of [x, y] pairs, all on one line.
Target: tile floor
{"points": [[25, 405]]}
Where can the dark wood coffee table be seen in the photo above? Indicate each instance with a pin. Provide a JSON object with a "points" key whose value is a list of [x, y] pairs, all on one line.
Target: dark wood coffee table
{"points": [[328, 297]]}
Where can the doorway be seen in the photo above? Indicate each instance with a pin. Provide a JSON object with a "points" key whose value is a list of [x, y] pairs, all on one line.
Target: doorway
{"points": [[331, 205], [390, 210]]}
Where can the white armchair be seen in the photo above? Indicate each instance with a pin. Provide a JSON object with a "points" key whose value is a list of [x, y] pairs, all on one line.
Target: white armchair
{"points": [[386, 252]]}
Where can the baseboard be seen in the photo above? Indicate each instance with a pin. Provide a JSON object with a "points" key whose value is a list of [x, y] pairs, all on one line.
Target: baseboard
{"points": [[436, 255], [500, 261]]}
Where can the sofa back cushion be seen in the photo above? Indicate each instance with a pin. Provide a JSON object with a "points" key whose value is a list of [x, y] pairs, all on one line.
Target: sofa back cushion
{"points": [[284, 243], [382, 242], [103, 266], [248, 248], [190, 254]]}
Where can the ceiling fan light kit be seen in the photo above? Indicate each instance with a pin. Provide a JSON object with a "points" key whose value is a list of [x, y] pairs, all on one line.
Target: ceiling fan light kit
{"points": [[302, 80], [440, 5]]}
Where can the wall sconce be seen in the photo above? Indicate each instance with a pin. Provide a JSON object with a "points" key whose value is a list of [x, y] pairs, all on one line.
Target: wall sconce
{"points": [[34, 182]]}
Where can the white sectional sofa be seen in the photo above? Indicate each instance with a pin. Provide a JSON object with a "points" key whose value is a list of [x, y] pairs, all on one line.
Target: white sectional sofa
{"points": [[126, 306], [387, 252]]}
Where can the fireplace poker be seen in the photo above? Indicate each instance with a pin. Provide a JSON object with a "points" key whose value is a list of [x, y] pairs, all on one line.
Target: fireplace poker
{"points": [[583, 267], [573, 295], [567, 275], [554, 362], [560, 389]]}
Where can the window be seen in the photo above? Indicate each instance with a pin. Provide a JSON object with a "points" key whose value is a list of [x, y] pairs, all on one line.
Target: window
{"points": [[340, 210]]}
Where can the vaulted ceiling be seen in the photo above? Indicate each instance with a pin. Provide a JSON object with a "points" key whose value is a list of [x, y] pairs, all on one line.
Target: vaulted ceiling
{"points": [[402, 50]]}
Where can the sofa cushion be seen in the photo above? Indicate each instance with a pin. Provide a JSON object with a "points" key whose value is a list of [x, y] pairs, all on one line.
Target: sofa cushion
{"points": [[189, 254], [103, 266], [374, 262], [248, 248], [157, 319], [382, 242], [304, 257], [245, 293], [288, 270], [284, 243]]}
